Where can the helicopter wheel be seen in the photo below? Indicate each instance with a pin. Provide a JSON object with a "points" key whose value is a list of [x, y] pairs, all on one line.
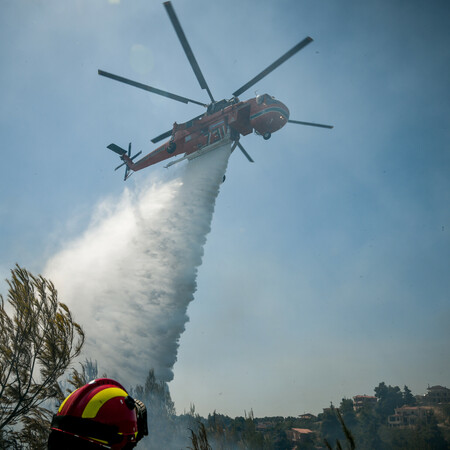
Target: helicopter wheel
{"points": [[267, 136]]}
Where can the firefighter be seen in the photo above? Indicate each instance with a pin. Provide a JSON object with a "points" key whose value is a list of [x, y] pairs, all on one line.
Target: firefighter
{"points": [[99, 415]]}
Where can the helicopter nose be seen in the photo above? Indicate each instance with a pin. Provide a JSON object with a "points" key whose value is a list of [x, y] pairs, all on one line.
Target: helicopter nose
{"points": [[276, 117], [271, 117], [284, 111]]}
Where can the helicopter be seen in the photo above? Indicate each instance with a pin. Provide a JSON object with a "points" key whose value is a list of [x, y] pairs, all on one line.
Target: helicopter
{"points": [[224, 120]]}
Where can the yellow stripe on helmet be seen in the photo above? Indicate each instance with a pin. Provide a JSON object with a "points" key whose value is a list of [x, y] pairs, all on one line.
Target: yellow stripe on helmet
{"points": [[99, 399], [65, 400]]}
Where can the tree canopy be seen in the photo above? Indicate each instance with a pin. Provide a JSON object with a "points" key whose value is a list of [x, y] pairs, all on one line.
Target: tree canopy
{"points": [[38, 341]]}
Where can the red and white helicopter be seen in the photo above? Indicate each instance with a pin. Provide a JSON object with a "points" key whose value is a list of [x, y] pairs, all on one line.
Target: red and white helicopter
{"points": [[223, 119]]}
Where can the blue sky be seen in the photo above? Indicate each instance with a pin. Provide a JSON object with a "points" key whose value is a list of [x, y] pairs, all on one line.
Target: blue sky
{"points": [[327, 267]]}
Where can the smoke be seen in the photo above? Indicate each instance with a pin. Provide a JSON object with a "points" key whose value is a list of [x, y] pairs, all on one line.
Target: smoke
{"points": [[129, 278]]}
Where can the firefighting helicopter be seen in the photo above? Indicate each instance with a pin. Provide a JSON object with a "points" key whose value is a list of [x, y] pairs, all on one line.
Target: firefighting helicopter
{"points": [[223, 120]]}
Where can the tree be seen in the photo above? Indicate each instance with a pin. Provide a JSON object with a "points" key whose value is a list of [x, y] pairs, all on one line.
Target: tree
{"points": [[389, 398], [161, 412], [250, 439], [89, 372], [220, 431], [200, 440], [408, 398], [331, 429], [336, 427], [367, 432], [156, 395], [429, 436], [426, 435], [38, 341], [348, 413]]}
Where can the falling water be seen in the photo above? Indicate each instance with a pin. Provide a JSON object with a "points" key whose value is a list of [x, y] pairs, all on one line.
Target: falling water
{"points": [[130, 277]]}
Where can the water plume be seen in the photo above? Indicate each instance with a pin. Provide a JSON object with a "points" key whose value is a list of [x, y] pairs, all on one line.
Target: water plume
{"points": [[132, 274]]}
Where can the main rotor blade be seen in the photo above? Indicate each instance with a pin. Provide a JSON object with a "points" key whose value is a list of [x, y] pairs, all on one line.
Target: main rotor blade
{"points": [[311, 124], [169, 132], [186, 47], [244, 152], [162, 136], [145, 87], [273, 66]]}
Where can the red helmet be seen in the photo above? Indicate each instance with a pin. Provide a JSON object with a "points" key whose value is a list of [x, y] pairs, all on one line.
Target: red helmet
{"points": [[101, 413]]}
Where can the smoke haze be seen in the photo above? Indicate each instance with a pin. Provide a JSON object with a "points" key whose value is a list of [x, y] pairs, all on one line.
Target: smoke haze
{"points": [[130, 277]]}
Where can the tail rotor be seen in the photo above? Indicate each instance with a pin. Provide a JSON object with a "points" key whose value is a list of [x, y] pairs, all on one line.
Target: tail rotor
{"points": [[124, 156]]}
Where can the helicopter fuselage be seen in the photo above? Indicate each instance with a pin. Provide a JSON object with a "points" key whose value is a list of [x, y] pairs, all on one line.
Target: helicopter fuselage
{"points": [[263, 114]]}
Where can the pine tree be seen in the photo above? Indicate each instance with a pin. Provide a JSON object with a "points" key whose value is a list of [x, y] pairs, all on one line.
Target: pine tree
{"points": [[408, 398], [38, 341]]}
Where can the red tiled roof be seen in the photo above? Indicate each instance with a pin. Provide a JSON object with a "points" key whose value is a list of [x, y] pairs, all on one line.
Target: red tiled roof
{"points": [[302, 430]]}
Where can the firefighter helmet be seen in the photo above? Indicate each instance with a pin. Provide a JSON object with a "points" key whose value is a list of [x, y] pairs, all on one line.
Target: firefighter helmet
{"points": [[101, 414]]}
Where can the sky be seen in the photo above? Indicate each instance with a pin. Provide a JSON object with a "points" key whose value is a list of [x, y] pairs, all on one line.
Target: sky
{"points": [[326, 270]]}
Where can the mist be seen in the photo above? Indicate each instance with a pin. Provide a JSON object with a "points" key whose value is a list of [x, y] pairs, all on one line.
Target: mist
{"points": [[129, 278]]}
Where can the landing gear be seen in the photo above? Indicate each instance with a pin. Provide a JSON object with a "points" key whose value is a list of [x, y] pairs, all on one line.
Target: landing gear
{"points": [[266, 136]]}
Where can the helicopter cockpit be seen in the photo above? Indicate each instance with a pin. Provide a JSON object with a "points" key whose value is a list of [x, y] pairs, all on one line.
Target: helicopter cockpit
{"points": [[266, 99], [221, 104]]}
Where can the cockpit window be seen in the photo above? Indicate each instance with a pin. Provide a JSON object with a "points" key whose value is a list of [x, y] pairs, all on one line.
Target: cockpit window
{"points": [[266, 98]]}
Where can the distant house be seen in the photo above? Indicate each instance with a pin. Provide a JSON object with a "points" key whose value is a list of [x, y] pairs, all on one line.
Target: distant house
{"points": [[409, 416], [264, 425], [437, 394], [307, 416], [299, 434], [360, 401]]}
